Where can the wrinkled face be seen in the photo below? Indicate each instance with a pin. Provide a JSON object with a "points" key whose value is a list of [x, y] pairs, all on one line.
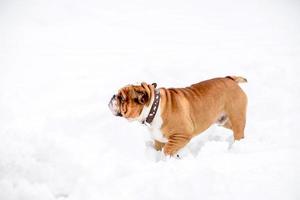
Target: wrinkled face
{"points": [[130, 100]]}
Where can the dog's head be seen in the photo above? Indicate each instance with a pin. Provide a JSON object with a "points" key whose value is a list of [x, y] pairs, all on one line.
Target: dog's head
{"points": [[131, 99]]}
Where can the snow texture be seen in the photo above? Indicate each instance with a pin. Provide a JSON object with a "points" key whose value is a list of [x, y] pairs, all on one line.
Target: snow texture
{"points": [[61, 61]]}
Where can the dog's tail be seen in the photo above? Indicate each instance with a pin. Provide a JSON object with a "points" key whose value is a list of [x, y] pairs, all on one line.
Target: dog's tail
{"points": [[237, 79]]}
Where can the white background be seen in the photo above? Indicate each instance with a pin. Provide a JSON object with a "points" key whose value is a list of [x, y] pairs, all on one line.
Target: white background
{"points": [[61, 61]]}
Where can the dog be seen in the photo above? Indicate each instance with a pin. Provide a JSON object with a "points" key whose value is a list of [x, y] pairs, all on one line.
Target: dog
{"points": [[175, 115]]}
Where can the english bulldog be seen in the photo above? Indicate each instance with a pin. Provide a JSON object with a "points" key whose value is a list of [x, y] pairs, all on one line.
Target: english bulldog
{"points": [[175, 115]]}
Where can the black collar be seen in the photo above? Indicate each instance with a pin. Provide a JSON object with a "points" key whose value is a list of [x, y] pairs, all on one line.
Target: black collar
{"points": [[153, 109]]}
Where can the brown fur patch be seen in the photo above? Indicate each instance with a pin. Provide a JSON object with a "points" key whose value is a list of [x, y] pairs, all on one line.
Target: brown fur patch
{"points": [[186, 112]]}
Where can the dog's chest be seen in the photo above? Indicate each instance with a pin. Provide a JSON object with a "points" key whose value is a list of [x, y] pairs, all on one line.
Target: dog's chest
{"points": [[155, 129]]}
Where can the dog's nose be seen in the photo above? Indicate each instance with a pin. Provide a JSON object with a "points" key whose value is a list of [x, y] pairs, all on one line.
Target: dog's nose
{"points": [[110, 102], [113, 97], [119, 114]]}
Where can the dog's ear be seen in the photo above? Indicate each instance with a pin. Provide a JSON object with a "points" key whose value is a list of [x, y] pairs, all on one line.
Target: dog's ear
{"points": [[142, 97], [145, 85], [147, 91]]}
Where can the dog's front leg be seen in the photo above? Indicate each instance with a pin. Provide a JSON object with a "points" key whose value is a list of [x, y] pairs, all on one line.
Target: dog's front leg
{"points": [[176, 142], [158, 145]]}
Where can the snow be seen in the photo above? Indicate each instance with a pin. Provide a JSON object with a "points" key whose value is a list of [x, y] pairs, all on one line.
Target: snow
{"points": [[61, 61]]}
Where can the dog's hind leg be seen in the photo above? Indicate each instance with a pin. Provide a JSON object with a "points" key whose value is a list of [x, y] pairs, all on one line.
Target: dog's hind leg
{"points": [[237, 123], [236, 111]]}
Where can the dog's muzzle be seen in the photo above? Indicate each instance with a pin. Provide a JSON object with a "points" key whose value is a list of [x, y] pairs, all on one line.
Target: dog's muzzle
{"points": [[114, 107]]}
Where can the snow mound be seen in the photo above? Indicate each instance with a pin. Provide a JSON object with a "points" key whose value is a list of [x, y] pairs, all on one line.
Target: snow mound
{"points": [[60, 62]]}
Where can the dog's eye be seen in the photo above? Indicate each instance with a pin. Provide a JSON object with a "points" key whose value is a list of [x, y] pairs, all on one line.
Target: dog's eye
{"points": [[136, 100]]}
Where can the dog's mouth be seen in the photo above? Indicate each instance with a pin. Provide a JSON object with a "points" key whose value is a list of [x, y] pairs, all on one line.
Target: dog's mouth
{"points": [[119, 114]]}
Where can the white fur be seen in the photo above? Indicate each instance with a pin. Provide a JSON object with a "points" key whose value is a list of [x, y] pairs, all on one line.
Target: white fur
{"points": [[113, 106], [155, 126]]}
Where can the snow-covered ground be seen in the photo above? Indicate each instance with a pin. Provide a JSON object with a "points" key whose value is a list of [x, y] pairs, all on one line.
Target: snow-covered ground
{"points": [[60, 62]]}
